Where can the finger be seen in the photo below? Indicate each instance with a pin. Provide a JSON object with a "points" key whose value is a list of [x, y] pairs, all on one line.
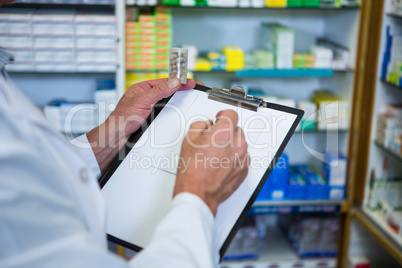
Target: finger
{"points": [[197, 128], [200, 83], [228, 118], [146, 85], [241, 140], [160, 91], [190, 85]]}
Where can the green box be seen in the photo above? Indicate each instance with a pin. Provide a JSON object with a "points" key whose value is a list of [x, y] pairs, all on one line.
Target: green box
{"points": [[311, 3], [171, 2], [295, 3]]}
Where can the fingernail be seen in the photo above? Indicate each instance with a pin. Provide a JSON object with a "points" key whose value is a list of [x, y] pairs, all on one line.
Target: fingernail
{"points": [[172, 83]]}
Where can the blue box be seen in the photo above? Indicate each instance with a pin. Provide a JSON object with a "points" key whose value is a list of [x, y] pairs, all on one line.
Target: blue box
{"points": [[275, 186], [297, 187]]}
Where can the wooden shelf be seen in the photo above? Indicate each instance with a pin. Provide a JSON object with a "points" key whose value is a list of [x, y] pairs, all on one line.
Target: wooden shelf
{"points": [[374, 224], [389, 152]]}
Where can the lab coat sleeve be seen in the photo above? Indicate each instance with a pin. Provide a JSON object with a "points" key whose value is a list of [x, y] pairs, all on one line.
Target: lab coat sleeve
{"points": [[40, 225], [85, 149], [185, 238]]}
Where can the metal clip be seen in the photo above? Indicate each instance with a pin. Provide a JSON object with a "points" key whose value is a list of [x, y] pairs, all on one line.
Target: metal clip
{"points": [[236, 96]]}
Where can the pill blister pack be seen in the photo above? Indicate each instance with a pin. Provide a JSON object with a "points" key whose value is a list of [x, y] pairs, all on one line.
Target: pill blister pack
{"points": [[178, 64]]}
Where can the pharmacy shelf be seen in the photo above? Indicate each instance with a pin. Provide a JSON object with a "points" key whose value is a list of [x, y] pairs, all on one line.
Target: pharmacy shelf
{"points": [[276, 251], [61, 4], [55, 72], [343, 8], [322, 131], [395, 16], [285, 73], [298, 207], [377, 226], [389, 152], [390, 85], [266, 72]]}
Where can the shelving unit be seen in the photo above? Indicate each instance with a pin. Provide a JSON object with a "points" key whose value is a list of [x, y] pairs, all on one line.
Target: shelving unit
{"points": [[373, 222], [390, 85], [279, 253], [339, 23], [389, 152], [285, 73], [298, 207], [373, 93]]}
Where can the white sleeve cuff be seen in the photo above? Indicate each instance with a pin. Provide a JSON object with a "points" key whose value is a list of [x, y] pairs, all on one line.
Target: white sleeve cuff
{"points": [[197, 203], [185, 237], [85, 149]]}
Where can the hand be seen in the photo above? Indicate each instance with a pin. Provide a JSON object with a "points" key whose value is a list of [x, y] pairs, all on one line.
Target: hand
{"points": [[214, 160], [136, 104], [131, 112]]}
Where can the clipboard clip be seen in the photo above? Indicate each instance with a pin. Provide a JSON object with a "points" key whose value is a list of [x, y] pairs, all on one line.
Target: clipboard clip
{"points": [[236, 96]]}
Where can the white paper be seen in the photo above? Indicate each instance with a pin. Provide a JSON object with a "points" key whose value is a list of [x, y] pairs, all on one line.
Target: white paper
{"points": [[139, 193]]}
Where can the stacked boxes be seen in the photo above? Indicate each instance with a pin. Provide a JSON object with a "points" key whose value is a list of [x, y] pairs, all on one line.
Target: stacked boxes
{"points": [[333, 111], [53, 40], [16, 36], [234, 58], [311, 3], [59, 42], [259, 59], [280, 40], [303, 61], [389, 128], [300, 182], [396, 7], [95, 43], [334, 166], [70, 117], [323, 57], [311, 236], [275, 3], [392, 64], [275, 186], [217, 60], [309, 119], [148, 39]]}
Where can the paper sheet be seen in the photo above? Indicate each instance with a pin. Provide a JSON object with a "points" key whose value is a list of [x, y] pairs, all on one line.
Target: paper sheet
{"points": [[139, 193]]}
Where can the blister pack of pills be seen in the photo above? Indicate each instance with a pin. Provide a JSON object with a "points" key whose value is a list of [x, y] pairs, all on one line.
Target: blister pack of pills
{"points": [[178, 64]]}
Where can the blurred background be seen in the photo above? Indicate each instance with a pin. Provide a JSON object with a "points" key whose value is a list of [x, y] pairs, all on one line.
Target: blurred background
{"points": [[336, 198]]}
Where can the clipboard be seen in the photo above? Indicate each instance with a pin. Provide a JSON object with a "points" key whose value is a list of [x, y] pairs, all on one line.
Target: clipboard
{"points": [[123, 181]]}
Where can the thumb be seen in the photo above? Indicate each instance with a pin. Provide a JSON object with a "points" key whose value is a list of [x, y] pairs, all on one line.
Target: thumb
{"points": [[162, 90]]}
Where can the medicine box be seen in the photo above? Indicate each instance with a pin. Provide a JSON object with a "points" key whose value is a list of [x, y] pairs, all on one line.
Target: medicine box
{"points": [[309, 119], [393, 194], [279, 39], [275, 186]]}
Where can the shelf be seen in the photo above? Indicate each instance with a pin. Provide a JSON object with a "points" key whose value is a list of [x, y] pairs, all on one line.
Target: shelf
{"points": [[322, 131], [395, 16], [276, 250], [66, 4], [33, 72], [389, 152], [298, 207], [373, 222], [267, 8], [266, 72], [390, 85], [285, 73]]}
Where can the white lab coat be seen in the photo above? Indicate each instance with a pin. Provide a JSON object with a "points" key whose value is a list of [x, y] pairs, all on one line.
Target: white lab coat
{"points": [[51, 210]]}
